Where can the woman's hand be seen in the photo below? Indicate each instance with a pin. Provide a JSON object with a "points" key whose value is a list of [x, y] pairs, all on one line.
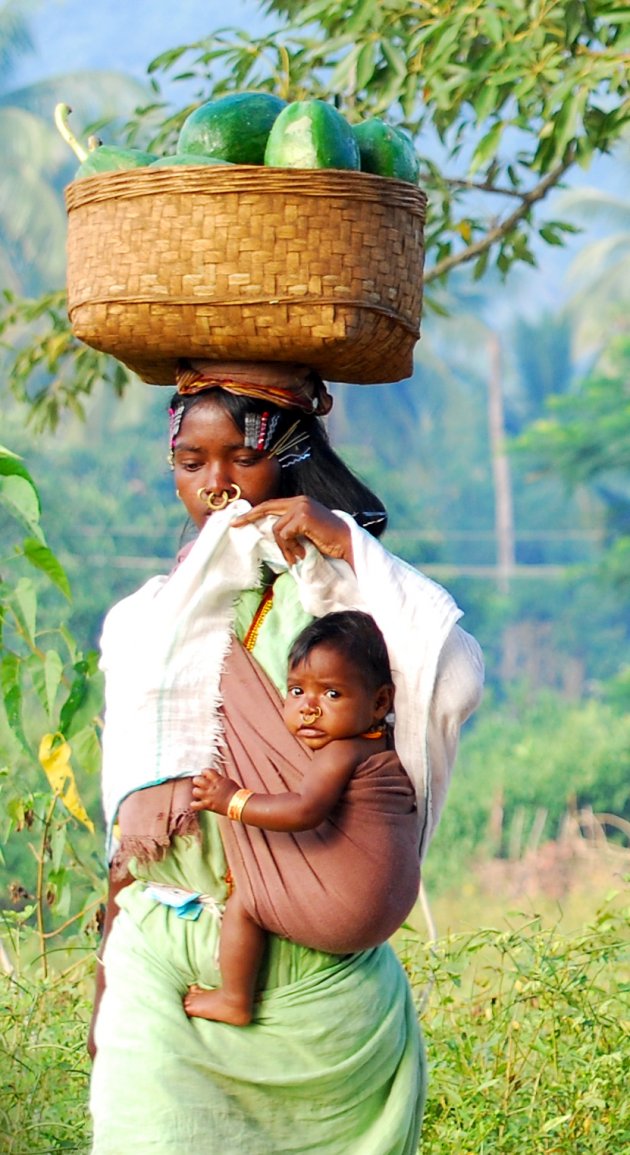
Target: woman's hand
{"points": [[212, 791], [299, 518]]}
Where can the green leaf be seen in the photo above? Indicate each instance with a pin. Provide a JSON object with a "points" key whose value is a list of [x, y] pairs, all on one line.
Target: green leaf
{"points": [[86, 749], [487, 147], [344, 75], [492, 25], [11, 465], [21, 500], [554, 1124], [84, 701], [361, 16], [365, 64], [481, 265], [57, 844], [550, 235], [53, 670], [395, 58], [11, 683], [485, 100], [24, 606], [44, 559]]}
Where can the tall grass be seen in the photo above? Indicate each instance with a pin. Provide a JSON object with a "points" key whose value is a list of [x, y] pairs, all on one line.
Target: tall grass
{"points": [[43, 1065], [527, 1034], [526, 1030]]}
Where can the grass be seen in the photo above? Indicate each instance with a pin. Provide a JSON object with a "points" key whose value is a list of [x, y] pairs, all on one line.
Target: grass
{"points": [[526, 1026], [527, 1035], [43, 1066]]}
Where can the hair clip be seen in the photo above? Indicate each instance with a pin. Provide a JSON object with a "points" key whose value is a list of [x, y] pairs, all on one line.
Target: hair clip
{"points": [[292, 447]]}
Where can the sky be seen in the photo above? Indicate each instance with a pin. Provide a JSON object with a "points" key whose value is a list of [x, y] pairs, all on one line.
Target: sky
{"points": [[122, 34]]}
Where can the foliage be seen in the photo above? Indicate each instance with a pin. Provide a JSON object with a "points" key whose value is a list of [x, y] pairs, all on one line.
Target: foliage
{"points": [[49, 370], [533, 759], [584, 437], [510, 96], [524, 1030], [112, 472], [502, 101], [49, 717], [586, 434], [527, 1040], [43, 1065], [36, 162]]}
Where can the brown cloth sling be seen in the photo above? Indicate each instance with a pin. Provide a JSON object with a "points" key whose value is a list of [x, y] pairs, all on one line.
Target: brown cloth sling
{"points": [[346, 885], [343, 887]]}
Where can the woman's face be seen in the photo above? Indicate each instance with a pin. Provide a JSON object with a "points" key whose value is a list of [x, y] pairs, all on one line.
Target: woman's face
{"points": [[209, 454]]}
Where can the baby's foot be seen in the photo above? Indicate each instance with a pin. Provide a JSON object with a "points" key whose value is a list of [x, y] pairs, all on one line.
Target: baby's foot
{"points": [[216, 1006]]}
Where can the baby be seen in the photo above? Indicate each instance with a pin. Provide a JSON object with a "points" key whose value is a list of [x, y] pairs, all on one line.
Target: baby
{"points": [[339, 693]]}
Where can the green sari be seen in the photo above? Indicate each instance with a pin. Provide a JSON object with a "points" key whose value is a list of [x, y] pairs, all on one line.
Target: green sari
{"points": [[333, 1061]]}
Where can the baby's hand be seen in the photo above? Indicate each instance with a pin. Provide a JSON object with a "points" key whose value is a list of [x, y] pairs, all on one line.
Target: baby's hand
{"points": [[211, 791]]}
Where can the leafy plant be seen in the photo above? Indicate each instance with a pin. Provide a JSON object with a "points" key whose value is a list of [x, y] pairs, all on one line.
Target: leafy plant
{"points": [[501, 101], [535, 759], [44, 1068], [527, 1039], [49, 718]]}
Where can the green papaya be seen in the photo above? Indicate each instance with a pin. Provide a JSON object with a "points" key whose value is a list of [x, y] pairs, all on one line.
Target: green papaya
{"points": [[195, 158], [311, 134], [107, 158], [233, 128], [98, 157], [386, 151]]}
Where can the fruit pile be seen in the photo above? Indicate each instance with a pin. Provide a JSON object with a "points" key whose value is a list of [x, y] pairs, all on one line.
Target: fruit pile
{"points": [[258, 128]]}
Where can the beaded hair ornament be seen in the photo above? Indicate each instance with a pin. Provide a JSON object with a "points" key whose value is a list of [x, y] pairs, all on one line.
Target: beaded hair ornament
{"points": [[286, 386], [291, 447]]}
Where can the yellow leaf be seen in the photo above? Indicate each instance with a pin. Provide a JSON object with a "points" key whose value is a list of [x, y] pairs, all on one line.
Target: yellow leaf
{"points": [[54, 756]]}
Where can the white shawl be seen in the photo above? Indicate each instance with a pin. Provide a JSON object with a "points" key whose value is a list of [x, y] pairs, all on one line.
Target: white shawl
{"points": [[163, 650]]}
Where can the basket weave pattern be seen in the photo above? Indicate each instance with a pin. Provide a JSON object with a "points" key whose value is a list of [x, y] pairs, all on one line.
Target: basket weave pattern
{"points": [[244, 263]]}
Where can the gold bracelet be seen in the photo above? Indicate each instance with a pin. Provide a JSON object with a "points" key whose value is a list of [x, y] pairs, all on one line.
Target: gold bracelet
{"points": [[237, 803]]}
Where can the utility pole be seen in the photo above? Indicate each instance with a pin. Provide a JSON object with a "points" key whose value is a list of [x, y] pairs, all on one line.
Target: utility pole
{"points": [[503, 509]]}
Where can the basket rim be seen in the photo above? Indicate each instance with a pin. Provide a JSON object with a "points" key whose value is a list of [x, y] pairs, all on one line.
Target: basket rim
{"points": [[147, 181]]}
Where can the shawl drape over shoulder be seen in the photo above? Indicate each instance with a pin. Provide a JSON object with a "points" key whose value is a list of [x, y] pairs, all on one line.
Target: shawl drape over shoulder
{"points": [[164, 649]]}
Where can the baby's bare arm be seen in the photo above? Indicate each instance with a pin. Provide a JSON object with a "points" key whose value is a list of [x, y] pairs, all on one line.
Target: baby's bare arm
{"points": [[322, 786]]}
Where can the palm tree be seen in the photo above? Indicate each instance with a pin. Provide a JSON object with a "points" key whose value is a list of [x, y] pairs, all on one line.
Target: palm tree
{"points": [[601, 270], [36, 162]]}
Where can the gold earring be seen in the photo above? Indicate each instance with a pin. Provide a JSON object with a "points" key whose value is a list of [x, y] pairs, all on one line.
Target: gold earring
{"points": [[178, 495]]}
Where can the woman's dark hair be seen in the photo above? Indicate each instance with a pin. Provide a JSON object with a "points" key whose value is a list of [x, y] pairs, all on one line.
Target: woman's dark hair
{"points": [[323, 476], [351, 633]]}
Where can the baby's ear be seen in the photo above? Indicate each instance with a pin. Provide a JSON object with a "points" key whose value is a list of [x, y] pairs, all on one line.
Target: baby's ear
{"points": [[384, 701]]}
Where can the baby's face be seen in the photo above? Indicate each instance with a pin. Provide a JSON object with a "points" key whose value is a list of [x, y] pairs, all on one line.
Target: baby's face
{"points": [[327, 699]]}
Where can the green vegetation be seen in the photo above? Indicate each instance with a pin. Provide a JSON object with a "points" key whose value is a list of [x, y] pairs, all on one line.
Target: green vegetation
{"points": [[524, 1027], [527, 413], [501, 106], [527, 1041], [523, 766]]}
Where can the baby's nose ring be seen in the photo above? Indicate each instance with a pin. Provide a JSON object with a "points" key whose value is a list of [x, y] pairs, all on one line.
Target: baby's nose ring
{"points": [[311, 715]]}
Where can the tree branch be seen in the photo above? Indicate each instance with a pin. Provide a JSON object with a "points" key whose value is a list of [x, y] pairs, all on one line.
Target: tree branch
{"points": [[482, 186], [505, 227]]}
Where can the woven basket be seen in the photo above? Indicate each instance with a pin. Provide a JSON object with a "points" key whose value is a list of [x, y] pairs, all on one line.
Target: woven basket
{"points": [[247, 263]]}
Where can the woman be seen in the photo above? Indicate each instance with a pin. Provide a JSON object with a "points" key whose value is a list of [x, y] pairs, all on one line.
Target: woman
{"points": [[332, 1062]]}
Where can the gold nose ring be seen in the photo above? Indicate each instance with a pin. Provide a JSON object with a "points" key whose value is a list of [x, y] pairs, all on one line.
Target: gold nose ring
{"points": [[216, 501], [310, 716]]}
